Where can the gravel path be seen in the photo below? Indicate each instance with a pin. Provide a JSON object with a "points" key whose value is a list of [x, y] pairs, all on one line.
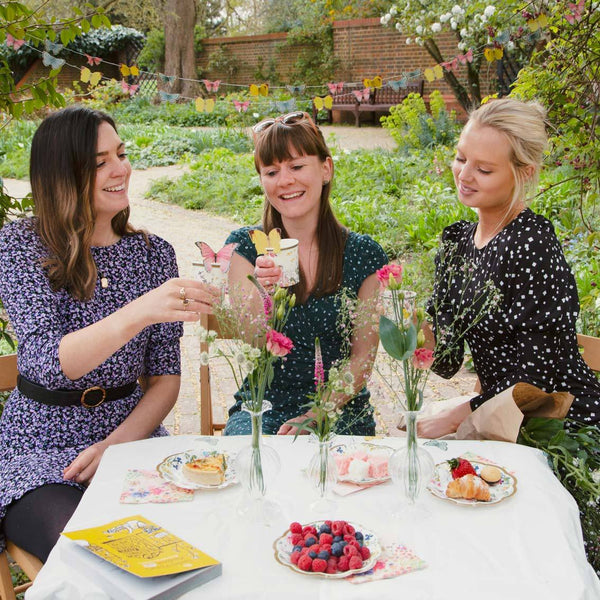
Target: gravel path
{"points": [[183, 227]]}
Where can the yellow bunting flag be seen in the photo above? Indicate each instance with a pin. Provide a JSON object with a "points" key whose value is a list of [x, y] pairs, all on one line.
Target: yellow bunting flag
{"points": [[321, 103], [129, 70], [376, 82], [492, 54], [539, 22], [431, 74], [203, 105], [259, 90], [92, 78]]}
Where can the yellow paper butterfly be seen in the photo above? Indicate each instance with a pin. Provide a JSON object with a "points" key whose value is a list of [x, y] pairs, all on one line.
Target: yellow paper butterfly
{"points": [[132, 70], [492, 54], [431, 74], [259, 90], [376, 82], [203, 105], [262, 241], [320, 103], [92, 78], [539, 22]]}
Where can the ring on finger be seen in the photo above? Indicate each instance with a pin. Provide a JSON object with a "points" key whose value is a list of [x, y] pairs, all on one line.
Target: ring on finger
{"points": [[182, 293], [185, 302]]}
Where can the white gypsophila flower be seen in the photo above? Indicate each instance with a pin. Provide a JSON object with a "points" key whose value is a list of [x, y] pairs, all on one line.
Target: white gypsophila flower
{"points": [[436, 27], [204, 358], [419, 41], [419, 29], [202, 333], [489, 11], [386, 19], [408, 43], [453, 24], [393, 10]]}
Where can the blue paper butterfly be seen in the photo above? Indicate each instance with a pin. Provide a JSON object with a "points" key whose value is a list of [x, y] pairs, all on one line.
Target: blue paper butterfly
{"points": [[53, 47], [166, 97], [52, 61]]}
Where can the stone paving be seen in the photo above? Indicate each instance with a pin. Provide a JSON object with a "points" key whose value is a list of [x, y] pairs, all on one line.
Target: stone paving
{"points": [[182, 228]]}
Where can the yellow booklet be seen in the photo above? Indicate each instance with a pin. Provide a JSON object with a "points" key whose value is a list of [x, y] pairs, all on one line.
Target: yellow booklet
{"points": [[141, 547]]}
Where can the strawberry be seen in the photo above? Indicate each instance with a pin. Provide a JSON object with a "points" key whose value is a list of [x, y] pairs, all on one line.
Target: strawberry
{"points": [[460, 467]]}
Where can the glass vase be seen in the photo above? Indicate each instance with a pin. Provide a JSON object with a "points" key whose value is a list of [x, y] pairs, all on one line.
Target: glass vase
{"points": [[411, 467], [395, 302], [322, 474]]}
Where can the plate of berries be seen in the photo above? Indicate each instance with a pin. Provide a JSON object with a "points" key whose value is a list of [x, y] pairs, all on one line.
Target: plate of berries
{"points": [[472, 482], [330, 549], [362, 464]]}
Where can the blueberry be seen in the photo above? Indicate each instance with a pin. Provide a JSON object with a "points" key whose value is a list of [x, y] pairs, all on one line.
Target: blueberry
{"points": [[337, 549], [297, 549], [324, 529], [323, 554], [337, 538], [310, 541], [312, 554], [358, 535]]}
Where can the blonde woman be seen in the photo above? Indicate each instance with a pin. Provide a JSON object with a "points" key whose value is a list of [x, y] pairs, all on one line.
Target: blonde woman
{"points": [[531, 338]]}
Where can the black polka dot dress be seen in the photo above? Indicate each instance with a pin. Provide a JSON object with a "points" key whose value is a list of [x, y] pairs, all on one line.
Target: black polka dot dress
{"points": [[531, 337], [317, 317]]}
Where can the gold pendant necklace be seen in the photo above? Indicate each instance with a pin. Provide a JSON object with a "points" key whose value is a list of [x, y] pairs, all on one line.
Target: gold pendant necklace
{"points": [[103, 281]]}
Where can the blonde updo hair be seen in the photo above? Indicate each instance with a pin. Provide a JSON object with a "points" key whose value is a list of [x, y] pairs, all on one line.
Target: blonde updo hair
{"points": [[523, 124]]}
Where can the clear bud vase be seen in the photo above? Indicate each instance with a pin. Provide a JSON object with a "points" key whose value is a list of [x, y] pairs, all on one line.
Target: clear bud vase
{"points": [[411, 467], [257, 466], [322, 474]]}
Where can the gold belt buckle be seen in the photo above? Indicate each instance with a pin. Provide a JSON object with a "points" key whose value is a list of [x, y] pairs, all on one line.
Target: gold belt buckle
{"points": [[93, 389]]}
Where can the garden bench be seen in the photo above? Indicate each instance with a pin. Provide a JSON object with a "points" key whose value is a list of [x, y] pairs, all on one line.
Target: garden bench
{"points": [[380, 100]]}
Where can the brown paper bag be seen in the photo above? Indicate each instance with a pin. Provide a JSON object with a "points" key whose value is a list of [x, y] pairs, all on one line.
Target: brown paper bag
{"points": [[500, 417]]}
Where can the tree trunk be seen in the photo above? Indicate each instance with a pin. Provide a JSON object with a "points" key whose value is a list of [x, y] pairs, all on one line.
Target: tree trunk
{"points": [[180, 59]]}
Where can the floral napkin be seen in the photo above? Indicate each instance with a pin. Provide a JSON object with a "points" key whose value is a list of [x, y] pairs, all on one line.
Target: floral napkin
{"points": [[141, 487], [395, 560]]}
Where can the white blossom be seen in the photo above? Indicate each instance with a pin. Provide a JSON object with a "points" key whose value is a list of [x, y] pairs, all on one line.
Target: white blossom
{"points": [[393, 10], [398, 27], [204, 358], [462, 46], [453, 24], [436, 28], [386, 19], [419, 41], [596, 476], [408, 43], [457, 10], [463, 32], [445, 17], [419, 29], [510, 45], [489, 11]]}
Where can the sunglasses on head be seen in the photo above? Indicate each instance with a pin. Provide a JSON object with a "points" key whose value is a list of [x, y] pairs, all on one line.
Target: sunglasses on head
{"points": [[289, 119]]}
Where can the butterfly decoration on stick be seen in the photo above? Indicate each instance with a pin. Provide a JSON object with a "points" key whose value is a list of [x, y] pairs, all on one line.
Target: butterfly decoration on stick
{"points": [[362, 95], [263, 242], [13, 43], [130, 89], [259, 90], [335, 88], [398, 84], [92, 78], [576, 12], [166, 97], [492, 54], [241, 107], [376, 82], [431, 74], [296, 89], [52, 61], [222, 257], [321, 103], [211, 86], [92, 60], [52, 47], [204, 105], [127, 70]]}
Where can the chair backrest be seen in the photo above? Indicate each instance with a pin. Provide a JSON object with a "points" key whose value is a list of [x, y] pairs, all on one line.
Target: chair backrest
{"points": [[591, 350], [8, 372], [207, 425]]}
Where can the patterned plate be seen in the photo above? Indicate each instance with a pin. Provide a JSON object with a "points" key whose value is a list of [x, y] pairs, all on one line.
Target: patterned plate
{"points": [[369, 449], [505, 488], [171, 467], [283, 550]]}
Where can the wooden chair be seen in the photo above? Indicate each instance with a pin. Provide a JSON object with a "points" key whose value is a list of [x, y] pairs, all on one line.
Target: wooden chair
{"points": [[590, 350], [207, 426], [30, 564]]}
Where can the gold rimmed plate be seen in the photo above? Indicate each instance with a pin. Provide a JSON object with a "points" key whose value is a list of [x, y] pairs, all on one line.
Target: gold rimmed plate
{"points": [[343, 451], [171, 469]]}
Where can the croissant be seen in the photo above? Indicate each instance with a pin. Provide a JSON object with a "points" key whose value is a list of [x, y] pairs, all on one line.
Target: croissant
{"points": [[469, 487]]}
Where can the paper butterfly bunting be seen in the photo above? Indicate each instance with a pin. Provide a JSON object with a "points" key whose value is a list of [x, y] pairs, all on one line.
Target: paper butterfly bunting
{"points": [[166, 97], [362, 95], [399, 84], [376, 82], [222, 257], [296, 89], [335, 88], [132, 70], [13, 43], [262, 241], [166, 78], [321, 103], [129, 89], [434, 73], [540, 22], [93, 60], [92, 78], [203, 105], [241, 107], [451, 65], [259, 90], [52, 47], [52, 61], [492, 54], [286, 106], [211, 86], [576, 13], [465, 58]]}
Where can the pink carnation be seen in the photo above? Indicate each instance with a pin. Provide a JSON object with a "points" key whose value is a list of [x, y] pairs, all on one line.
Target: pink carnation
{"points": [[422, 358], [390, 275], [278, 344]]}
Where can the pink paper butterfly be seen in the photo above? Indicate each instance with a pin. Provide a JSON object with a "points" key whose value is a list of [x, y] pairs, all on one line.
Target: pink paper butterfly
{"points": [[129, 89], [465, 58], [93, 60], [211, 86], [241, 106], [222, 257], [451, 65], [13, 43], [362, 95], [576, 13], [335, 88]]}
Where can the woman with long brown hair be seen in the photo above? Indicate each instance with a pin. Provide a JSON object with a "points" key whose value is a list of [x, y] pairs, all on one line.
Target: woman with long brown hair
{"points": [[296, 171], [96, 306]]}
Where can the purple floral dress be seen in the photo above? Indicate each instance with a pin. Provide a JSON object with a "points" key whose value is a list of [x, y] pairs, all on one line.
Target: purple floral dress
{"points": [[38, 441]]}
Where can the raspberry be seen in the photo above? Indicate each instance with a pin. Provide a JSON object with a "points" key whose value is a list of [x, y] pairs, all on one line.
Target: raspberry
{"points": [[365, 552], [326, 547], [343, 563], [355, 562], [355, 544], [337, 528], [296, 538], [305, 550], [319, 565], [331, 570], [295, 527], [325, 538], [348, 529], [333, 560], [305, 563], [294, 556], [309, 529], [328, 523], [351, 551], [349, 538]]}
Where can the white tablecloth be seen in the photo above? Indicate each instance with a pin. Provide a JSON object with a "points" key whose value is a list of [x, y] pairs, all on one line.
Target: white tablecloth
{"points": [[527, 546]]}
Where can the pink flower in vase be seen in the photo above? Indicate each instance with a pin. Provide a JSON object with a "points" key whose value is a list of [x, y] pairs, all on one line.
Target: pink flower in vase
{"points": [[390, 276], [422, 358], [278, 344], [319, 370]]}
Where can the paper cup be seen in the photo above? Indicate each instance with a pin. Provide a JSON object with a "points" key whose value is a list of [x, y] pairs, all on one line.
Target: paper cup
{"points": [[287, 259]]}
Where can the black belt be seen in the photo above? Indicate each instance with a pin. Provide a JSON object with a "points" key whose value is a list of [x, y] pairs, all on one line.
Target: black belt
{"points": [[90, 398]]}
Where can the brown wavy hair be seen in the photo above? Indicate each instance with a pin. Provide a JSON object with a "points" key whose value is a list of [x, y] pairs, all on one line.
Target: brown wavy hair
{"points": [[276, 143], [63, 176]]}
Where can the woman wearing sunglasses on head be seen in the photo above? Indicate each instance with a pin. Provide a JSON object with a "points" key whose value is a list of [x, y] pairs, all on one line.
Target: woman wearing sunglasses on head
{"points": [[296, 172]]}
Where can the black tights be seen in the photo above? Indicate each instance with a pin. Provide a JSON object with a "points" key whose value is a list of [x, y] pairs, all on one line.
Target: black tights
{"points": [[34, 521]]}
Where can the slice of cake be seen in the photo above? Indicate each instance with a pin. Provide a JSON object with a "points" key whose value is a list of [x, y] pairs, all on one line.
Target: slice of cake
{"points": [[206, 471]]}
